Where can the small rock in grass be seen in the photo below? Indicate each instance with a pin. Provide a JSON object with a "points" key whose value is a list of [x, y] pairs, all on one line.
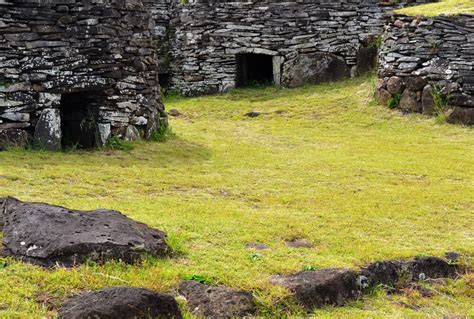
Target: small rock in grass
{"points": [[299, 243], [257, 246], [253, 114], [174, 113], [217, 302], [318, 288], [451, 256], [120, 303]]}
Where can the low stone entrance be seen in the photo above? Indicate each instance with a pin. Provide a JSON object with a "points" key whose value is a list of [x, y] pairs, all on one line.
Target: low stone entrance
{"points": [[79, 114], [254, 69]]}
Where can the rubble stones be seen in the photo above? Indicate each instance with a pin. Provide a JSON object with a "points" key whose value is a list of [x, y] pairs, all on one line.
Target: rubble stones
{"points": [[13, 138], [217, 302], [120, 303], [48, 235]]}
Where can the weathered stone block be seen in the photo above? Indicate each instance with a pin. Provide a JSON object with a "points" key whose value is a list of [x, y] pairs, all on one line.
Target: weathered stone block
{"points": [[409, 102], [48, 130], [318, 288], [217, 302], [427, 101], [460, 115], [120, 303], [314, 68], [395, 85]]}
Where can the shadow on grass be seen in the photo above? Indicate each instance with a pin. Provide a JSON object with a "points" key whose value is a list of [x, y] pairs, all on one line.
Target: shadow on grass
{"points": [[143, 153]]}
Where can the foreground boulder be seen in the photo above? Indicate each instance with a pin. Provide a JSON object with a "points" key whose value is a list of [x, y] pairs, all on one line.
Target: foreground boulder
{"points": [[217, 302], [51, 235], [120, 303], [313, 289], [3, 203]]}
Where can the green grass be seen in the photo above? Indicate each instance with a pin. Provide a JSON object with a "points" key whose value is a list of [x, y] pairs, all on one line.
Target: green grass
{"points": [[360, 181], [443, 7]]}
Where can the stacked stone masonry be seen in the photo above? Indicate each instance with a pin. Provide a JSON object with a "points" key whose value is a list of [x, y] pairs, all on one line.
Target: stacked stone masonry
{"points": [[307, 41], [80, 71], [427, 65]]}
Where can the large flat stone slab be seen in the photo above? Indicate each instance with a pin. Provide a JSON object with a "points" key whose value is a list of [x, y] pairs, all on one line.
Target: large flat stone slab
{"points": [[314, 289], [120, 303], [217, 302], [49, 235]]}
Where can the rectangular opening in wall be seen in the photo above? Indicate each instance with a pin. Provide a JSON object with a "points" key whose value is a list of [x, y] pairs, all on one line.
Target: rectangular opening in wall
{"points": [[254, 69], [79, 113]]}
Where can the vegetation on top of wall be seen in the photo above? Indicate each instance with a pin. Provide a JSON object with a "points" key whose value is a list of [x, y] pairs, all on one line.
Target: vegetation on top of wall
{"points": [[444, 7]]}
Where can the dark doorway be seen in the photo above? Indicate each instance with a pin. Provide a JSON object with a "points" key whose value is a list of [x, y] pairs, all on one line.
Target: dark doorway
{"points": [[254, 69], [79, 112]]}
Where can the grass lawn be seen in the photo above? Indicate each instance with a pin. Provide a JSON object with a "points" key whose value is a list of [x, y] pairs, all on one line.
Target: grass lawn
{"points": [[446, 7], [323, 163]]}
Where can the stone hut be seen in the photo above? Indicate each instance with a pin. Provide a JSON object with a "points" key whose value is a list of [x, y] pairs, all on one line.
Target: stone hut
{"points": [[215, 45], [77, 73]]}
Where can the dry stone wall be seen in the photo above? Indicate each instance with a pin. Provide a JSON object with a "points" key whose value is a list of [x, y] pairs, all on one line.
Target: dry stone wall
{"points": [[81, 70], [308, 41], [427, 65]]}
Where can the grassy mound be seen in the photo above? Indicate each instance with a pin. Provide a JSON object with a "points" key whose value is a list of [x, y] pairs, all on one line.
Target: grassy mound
{"points": [[322, 163], [444, 7]]}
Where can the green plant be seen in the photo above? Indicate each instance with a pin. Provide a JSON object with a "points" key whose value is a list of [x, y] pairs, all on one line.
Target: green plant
{"points": [[162, 134], [440, 104], [309, 268], [115, 143], [199, 278], [394, 101], [434, 47]]}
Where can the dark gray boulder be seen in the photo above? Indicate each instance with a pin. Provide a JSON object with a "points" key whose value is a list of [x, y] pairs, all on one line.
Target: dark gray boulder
{"points": [[397, 272], [395, 85], [120, 303], [460, 115], [217, 302], [409, 102], [314, 68], [314, 289], [51, 235], [422, 268], [382, 272]]}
